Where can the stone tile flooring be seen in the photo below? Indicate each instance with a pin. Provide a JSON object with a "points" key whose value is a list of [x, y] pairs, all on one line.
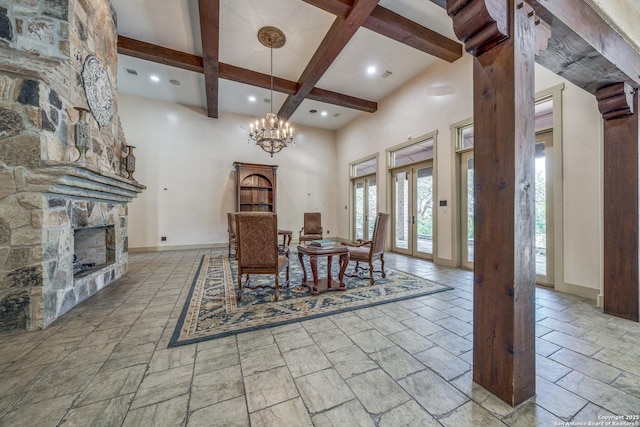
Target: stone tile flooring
{"points": [[106, 362]]}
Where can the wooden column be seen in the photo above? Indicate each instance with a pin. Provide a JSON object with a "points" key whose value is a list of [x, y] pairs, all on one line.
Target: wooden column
{"points": [[500, 34], [618, 104]]}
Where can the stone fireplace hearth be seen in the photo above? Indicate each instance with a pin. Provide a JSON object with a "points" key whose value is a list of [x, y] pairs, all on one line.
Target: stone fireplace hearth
{"points": [[56, 59]]}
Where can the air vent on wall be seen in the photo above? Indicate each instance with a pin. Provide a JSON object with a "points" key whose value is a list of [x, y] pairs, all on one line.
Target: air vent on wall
{"points": [[267, 100], [385, 74], [132, 71], [336, 114]]}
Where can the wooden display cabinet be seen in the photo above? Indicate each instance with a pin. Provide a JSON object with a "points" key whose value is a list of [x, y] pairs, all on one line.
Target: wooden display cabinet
{"points": [[255, 187]]}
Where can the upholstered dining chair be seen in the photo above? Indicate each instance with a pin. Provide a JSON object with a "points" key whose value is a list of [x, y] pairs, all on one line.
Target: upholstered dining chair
{"points": [[257, 249], [312, 228], [371, 250], [231, 229]]}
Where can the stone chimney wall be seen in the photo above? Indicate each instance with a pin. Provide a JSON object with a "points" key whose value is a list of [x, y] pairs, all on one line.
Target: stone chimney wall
{"points": [[43, 48]]}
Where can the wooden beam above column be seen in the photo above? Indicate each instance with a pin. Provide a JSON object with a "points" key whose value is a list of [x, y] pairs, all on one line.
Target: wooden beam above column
{"points": [[186, 61], [583, 48], [209, 11], [388, 23]]}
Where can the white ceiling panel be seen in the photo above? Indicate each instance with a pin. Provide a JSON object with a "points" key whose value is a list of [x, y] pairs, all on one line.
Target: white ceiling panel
{"points": [[167, 23], [303, 25], [191, 90], [348, 73], [304, 116]]}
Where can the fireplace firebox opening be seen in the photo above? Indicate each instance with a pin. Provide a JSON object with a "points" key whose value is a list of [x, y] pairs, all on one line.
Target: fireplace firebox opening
{"points": [[94, 249]]}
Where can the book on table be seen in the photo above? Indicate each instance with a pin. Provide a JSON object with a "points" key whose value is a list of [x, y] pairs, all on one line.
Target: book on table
{"points": [[322, 243]]}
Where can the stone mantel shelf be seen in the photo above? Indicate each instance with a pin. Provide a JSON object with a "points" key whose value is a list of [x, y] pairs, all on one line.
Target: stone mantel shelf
{"points": [[78, 181]]}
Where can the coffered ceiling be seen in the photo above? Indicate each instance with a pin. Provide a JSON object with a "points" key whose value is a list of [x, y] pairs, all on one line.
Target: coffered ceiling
{"points": [[329, 77]]}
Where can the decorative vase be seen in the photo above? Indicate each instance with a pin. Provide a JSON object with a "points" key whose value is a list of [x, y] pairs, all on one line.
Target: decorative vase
{"points": [[83, 134], [130, 162]]}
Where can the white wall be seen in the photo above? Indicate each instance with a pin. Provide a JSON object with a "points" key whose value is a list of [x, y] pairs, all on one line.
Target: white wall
{"points": [[186, 161], [410, 111]]}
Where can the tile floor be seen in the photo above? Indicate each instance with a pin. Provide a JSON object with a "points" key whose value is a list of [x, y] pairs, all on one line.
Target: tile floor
{"points": [[106, 362]]}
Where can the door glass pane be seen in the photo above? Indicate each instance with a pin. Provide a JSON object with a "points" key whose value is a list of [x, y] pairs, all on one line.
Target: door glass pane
{"points": [[372, 206], [469, 209], [359, 210], [541, 211], [424, 209], [402, 209]]}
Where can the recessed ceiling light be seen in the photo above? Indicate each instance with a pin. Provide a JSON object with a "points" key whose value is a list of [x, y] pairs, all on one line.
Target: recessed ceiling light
{"points": [[132, 71], [252, 98], [175, 82], [313, 111], [324, 113], [154, 78], [371, 70]]}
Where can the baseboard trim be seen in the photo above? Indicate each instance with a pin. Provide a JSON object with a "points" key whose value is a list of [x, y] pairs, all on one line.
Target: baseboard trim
{"points": [[579, 290], [176, 247]]}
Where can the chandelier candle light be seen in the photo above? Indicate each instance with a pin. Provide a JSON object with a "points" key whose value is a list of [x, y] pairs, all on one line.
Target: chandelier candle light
{"points": [[271, 133]]}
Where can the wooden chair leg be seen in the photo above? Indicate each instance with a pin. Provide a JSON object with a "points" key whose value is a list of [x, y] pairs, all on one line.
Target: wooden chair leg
{"points": [[382, 265], [287, 275], [275, 299], [239, 295], [371, 272]]}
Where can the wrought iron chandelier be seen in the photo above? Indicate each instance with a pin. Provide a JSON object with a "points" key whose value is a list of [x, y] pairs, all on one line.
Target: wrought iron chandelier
{"points": [[271, 133]]}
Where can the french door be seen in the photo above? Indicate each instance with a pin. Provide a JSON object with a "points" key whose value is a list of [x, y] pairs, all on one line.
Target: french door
{"points": [[413, 220], [466, 208], [543, 190], [365, 204], [544, 208]]}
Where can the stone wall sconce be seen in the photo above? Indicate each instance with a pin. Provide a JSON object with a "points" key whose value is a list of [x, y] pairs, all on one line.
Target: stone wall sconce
{"points": [[83, 134]]}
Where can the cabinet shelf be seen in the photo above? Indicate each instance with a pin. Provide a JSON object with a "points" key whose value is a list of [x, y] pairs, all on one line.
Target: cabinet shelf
{"points": [[244, 187]]}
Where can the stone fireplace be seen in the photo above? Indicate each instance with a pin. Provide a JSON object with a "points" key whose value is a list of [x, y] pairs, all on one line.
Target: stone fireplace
{"points": [[52, 206]]}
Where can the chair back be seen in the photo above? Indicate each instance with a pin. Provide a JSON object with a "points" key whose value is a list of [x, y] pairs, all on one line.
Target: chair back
{"points": [[257, 236], [379, 233], [231, 223], [312, 223]]}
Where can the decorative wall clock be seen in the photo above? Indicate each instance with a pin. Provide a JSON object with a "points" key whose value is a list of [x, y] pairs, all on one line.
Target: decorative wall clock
{"points": [[97, 88]]}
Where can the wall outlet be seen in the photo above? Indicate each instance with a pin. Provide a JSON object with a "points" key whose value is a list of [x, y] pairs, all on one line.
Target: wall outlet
{"points": [[163, 238]]}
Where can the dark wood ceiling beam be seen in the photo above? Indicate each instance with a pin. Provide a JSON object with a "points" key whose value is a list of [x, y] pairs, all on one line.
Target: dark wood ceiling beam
{"points": [[347, 101], [174, 58], [388, 23], [397, 27], [160, 54], [254, 78], [209, 11], [334, 41]]}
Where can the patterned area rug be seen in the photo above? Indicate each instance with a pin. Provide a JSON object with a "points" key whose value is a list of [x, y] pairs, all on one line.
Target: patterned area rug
{"points": [[211, 310]]}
